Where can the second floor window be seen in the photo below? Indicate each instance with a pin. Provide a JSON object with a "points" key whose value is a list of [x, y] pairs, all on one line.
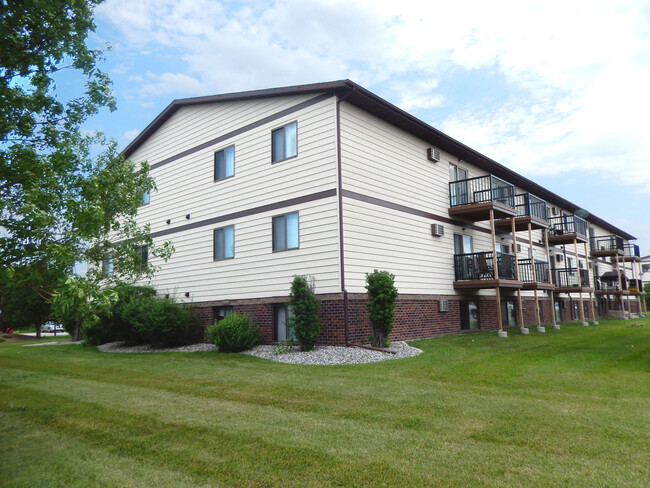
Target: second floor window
{"points": [[284, 142], [145, 198], [107, 266], [285, 232], [224, 163], [224, 243], [143, 255]]}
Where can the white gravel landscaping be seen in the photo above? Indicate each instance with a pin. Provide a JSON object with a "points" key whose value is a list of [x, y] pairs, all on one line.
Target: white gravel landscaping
{"points": [[321, 355]]}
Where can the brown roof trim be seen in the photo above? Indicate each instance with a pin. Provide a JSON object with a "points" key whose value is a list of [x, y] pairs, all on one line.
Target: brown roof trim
{"points": [[368, 101]]}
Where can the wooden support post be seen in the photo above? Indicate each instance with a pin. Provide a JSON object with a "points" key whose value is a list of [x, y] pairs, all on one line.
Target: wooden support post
{"points": [[620, 286], [550, 278], [532, 263], [592, 311], [517, 277]]}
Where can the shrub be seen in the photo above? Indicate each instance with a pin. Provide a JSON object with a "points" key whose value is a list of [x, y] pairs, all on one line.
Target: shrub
{"points": [[382, 296], [234, 333], [113, 325], [139, 317], [304, 308], [162, 322]]}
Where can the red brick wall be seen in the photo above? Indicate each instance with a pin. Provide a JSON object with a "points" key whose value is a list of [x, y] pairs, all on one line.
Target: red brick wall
{"points": [[416, 317]]}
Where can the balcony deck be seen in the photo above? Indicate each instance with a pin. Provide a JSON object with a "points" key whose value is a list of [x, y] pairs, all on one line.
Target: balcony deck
{"points": [[530, 210], [571, 280], [632, 253], [541, 281], [605, 246], [474, 199], [476, 271], [566, 229]]}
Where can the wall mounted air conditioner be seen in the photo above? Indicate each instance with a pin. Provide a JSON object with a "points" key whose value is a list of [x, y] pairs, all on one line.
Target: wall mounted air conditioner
{"points": [[559, 258], [437, 230], [443, 305], [433, 154]]}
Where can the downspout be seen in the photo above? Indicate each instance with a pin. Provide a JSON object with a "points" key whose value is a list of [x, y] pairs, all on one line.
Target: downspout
{"points": [[340, 195]]}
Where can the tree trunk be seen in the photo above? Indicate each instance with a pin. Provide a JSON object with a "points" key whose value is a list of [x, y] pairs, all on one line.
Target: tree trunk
{"points": [[76, 332]]}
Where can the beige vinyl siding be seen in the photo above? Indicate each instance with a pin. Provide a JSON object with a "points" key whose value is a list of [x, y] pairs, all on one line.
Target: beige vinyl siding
{"points": [[186, 186], [382, 238], [193, 125], [255, 271]]}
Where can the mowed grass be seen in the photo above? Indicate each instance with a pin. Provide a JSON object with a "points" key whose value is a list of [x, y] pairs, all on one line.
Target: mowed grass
{"points": [[565, 408]]}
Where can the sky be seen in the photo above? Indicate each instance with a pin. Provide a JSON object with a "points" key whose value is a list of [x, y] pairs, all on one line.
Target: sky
{"points": [[557, 91]]}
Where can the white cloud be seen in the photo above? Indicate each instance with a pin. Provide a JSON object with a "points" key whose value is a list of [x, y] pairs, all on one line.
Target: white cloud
{"points": [[575, 73], [129, 135]]}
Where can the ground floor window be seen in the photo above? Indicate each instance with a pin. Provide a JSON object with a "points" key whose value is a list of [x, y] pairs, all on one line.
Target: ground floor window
{"points": [[508, 313], [469, 315], [281, 314], [220, 313]]}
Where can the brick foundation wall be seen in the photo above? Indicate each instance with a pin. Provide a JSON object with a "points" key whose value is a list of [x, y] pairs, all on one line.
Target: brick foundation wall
{"points": [[416, 316]]}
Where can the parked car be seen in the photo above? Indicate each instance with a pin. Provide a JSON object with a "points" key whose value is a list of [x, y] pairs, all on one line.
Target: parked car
{"points": [[52, 327]]}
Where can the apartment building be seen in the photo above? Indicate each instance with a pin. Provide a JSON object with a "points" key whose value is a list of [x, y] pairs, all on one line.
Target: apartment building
{"points": [[330, 181]]}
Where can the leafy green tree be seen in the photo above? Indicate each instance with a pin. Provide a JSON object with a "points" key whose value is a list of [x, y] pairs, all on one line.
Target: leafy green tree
{"points": [[382, 296], [79, 301], [304, 308], [66, 196]]}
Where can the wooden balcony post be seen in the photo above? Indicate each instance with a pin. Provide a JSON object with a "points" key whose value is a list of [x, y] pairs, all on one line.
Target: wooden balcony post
{"points": [[532, 261], [620, 285], [514, 251], [550, 278]]}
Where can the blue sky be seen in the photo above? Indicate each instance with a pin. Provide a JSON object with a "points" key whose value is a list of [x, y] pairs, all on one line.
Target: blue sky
{"points": [[555, 90]]}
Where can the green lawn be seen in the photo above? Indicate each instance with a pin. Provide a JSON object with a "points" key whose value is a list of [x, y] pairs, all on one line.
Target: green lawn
{"points": [[565, 408]]}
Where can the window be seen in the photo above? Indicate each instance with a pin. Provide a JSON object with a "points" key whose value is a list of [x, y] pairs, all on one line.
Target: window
{"points": [[220, 313], [469, 315], [224, 163], [107, 266], [570, 265], [462, 244], [284, 142], [285, 232], [143, 256], [502, 248], [281, 314], [508, 318], [458, 193], [145, 198], [224, 243]]}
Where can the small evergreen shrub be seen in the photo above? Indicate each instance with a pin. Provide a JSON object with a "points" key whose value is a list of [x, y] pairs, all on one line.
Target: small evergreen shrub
{"points": [[382, 296], [234, 333], [304, 308]]}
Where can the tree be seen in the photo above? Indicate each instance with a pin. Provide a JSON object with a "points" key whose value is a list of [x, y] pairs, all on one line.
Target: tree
{"points": [[65, 196], [382, 296], [646, 288], [304, 313]]}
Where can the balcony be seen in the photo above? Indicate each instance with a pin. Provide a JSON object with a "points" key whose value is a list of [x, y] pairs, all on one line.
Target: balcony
{"points": [[571, 280], [541, 281], [565, 228], [476, 270], [610, 245], [530, 210], [474, 198], [635, 287], [631, 253]]}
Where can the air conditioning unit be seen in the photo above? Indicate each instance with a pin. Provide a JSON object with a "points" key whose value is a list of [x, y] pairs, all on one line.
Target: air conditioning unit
{"points": [[554, 210], [433, 154], [437, 230], [443, 306], [559, 258], [518, 247]]}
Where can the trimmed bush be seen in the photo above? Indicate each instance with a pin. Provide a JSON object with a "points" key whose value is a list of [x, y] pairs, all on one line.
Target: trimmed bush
{"points": [[304, 308], [234, 333], [139, 317], [382, 296]]}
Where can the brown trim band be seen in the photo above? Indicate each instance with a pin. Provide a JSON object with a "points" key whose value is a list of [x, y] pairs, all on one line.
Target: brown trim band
{"points": [[251, 211], [241, 130], [409, 210]]}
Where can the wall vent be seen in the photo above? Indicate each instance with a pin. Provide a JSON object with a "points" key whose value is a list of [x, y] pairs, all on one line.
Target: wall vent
{"points": [[433, 154], [443, 305], [437, 230]]}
